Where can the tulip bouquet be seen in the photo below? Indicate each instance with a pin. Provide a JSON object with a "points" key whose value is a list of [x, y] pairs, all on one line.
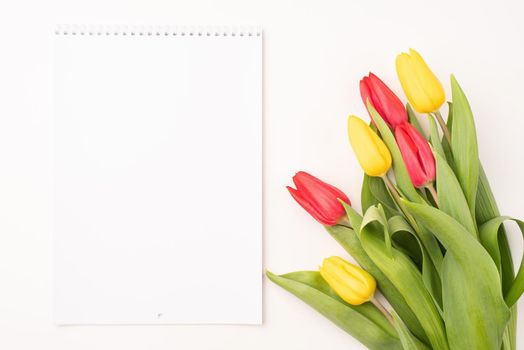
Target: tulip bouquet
{"points": [[430, 237]]}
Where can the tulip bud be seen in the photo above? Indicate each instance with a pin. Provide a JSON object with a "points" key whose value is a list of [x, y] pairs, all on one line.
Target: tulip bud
{"points": [[422, 88], [417, 155], [387, 104], [318, 198], [353, 284], [371, 152]]}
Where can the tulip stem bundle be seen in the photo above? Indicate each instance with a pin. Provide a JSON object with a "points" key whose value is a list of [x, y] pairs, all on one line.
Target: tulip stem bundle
{"points": [[398, 200], [391, 188], [443, 265]]}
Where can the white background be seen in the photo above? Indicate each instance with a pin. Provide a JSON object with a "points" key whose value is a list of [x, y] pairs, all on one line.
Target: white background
{"points": [[315, 54]]}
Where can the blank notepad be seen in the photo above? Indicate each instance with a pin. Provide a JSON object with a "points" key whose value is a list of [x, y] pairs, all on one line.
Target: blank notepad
{"points": [[157, 176]]}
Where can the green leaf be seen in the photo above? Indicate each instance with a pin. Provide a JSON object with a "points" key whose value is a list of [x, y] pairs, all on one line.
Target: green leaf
{"points": [[399, 167], [355, 219], [407, 279], [362, 322], [509, 339], [398, 225], [412, 117], [434, 137], [489, 235], [349, 240], [409, 342], [464, 145], [486, 209], [427, 238], [367, 198], [406, 241], [445, 145], [474, 309], [431, 244], [376, 214], [451, 197]]}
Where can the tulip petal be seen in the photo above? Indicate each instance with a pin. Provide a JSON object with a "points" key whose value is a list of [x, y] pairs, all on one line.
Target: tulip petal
{"points": [[428, 81], [347, 290], [385, 102], [318, 198], [365, 93], [371, 152], [416, 154], [411, 85], [352, 283], [411, 157], [317, 215], [391, 108], [311, 185], [427, 160]]}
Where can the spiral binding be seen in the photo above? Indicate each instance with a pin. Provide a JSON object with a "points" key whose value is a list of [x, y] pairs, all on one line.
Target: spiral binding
{"points": [[166, 31]]}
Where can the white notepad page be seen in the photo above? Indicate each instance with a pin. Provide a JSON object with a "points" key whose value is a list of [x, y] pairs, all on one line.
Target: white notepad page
{"points": [[157, 176]]}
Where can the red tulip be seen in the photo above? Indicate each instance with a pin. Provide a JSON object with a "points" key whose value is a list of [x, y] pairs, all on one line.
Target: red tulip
{"points": [[416, 154], [318, 198], [387, 104]]}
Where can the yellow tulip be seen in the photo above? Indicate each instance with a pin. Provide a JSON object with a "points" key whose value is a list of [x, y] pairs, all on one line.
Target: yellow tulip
{"points": [[354, 285], [422, 88], [371, 152]]}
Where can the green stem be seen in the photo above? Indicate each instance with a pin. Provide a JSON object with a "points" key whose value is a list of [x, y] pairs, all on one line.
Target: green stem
{"points": [[392, 189], [396, 196], [433, 192], [443, 126], [382, 309]]}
